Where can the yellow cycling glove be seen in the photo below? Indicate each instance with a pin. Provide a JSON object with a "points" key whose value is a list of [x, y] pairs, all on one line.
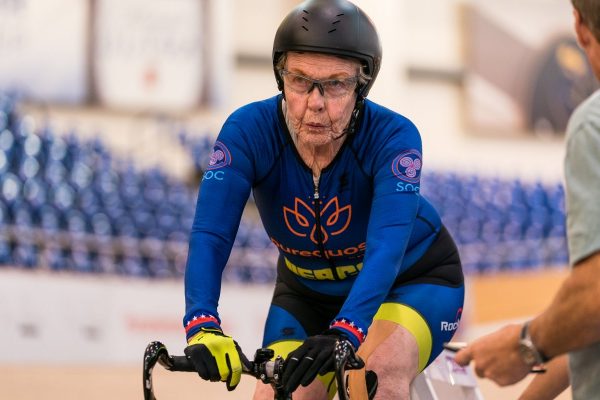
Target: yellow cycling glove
{"points": [[215, 357]]}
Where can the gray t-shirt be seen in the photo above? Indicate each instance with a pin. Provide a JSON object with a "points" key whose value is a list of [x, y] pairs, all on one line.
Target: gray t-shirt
{"points": [[582, 178]]}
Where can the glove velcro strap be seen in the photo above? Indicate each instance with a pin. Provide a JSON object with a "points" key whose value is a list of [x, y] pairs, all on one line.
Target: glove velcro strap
{"points": [[355, 334], [204, 321], [195, 338], [215, 356]]}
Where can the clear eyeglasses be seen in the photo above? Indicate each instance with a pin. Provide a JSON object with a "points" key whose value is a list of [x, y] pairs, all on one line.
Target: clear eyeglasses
{"points": [[330, 88]]}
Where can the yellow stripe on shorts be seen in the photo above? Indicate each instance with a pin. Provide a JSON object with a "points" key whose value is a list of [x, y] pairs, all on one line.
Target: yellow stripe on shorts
{"points": [[412, 321], [285, 347]]}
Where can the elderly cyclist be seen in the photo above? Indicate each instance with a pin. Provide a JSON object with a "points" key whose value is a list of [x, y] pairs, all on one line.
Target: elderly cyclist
{"points": [[336, 178]]}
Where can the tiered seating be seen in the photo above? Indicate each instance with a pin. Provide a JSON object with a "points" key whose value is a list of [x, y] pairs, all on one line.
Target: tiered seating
{"points": [[501, 224], [68, 204]]}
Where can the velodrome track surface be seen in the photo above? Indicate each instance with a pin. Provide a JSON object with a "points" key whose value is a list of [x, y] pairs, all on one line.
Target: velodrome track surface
{"points": [[495, 299], [102, 383]]}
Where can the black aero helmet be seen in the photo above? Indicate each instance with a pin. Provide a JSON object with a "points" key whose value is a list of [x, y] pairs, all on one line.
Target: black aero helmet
{"points": [[335, 27]]}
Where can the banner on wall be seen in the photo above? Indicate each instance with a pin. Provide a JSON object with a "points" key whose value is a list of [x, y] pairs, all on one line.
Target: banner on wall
{"points": [[43, 49], [148, 54], [62, 319]]}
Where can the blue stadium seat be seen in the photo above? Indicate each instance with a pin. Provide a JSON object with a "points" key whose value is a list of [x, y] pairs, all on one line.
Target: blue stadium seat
{"points": [[491, 231], [257, 238], [179, 196], [55, 172], [132, 265], [57, 149], [112, 200], [4, 214], [144, 221], [101, 224], [48, 218], [106, 182], [72, 150], [125, 226], [261, 274], [106, 262], [468, 230], [34, 192], [81, 176], [4, 165], [25, 254], [154, 192], [62, 195], [517, 258], [557, 253], [10, 188], [3, 118], [167, 219], [6, 257], [22, 214], [159, 267], [81, 259], [32, 145], [130, 188], [56, 258], [89, 202], [76, 222], [29, 167], [243, 235]]}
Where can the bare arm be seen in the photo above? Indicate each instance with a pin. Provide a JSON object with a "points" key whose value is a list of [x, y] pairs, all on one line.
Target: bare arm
{"points": [[572, 321], [569, 323], [549, 385]]}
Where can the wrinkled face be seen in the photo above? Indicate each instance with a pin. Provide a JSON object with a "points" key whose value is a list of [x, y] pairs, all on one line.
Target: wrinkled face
{"points": [[318, 117]]}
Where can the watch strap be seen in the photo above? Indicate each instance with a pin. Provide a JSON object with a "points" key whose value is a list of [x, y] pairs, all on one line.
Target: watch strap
{"points": [[526, 338]]}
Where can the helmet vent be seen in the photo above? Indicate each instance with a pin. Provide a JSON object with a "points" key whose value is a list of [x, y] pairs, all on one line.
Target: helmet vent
{"points": [[337, 21], [305, 19]]}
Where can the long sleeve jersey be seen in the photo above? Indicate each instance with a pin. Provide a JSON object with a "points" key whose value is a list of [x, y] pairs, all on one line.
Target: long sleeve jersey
{"points": [[350, 234]]}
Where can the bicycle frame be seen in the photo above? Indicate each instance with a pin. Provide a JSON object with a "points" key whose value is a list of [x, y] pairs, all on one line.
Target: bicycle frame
{"points": [[262, 367]]}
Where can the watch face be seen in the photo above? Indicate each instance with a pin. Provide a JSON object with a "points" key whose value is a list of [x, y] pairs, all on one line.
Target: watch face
{"points": [[528, 355]]}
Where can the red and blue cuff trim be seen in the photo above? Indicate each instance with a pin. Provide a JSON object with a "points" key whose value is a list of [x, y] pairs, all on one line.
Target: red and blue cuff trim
{"points": [[201, 321], [355, 333]]}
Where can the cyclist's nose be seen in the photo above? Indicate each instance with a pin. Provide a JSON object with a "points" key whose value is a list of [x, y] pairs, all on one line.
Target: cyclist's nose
{"points": [[316, 98], [318, 86]]}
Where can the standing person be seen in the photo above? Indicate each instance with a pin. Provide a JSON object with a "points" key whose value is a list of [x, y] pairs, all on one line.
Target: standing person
{"points": [[572, 321], [363, 256]]}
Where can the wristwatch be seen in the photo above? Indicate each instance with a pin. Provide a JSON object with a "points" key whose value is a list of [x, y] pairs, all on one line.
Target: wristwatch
{"points": [[530, 354]]}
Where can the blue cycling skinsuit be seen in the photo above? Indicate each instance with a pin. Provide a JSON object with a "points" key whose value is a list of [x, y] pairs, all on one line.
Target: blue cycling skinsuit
{"points": [[359, 244]]}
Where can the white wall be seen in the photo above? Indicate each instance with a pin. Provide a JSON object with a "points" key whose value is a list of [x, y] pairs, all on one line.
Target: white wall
{"points": [[54, 318], [148, 55], [39, 60]]}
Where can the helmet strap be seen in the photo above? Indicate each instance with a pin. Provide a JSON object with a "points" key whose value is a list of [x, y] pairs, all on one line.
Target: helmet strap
{"points": [[354, 118]]}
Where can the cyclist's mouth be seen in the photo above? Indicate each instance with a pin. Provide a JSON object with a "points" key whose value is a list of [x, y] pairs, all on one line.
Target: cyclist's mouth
{"points": [[316, 128]]}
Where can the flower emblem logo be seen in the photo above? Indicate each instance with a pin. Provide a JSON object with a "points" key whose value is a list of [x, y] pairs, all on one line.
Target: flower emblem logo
{"points": [[301, 219]]}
